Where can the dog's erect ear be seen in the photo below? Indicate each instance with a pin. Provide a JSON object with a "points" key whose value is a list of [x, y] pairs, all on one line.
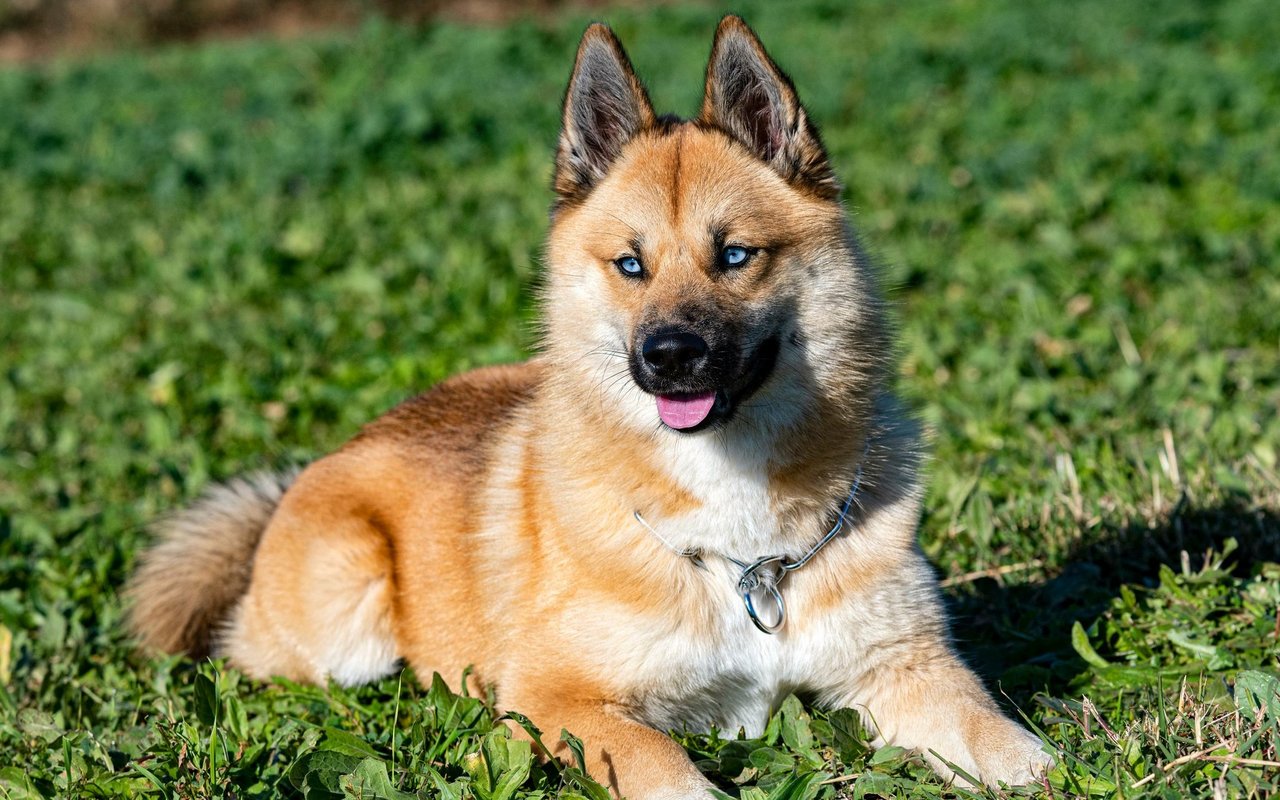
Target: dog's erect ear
{"points": [[751, 99], [604, 107]]}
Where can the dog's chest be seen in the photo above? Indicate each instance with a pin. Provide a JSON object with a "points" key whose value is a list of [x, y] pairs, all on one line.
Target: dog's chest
{"points": [[728, 680], [707, 665], [734, 513], [720, 672]]}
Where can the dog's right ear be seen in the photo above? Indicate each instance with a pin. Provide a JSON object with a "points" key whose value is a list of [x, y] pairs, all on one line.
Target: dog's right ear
{"points": [[604, 107], [752, 100]]}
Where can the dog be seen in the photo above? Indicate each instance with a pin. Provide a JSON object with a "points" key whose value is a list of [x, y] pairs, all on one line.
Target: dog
{"points": [[699, 497]]}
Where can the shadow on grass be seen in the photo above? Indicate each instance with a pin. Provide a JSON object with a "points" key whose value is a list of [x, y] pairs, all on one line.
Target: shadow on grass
{"points": [[1018, 636]]}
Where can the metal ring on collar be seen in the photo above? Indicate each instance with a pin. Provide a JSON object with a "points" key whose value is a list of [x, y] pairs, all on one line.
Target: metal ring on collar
{"points": [[749, 581], [772, 589]]}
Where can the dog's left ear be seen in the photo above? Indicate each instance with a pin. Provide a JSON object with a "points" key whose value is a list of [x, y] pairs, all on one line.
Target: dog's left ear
{"points": [[751, 99], [605, 106]]}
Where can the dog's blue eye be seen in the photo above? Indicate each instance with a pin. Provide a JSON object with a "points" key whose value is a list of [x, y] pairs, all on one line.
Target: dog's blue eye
{"points": [[630, 266], [734, 256]]}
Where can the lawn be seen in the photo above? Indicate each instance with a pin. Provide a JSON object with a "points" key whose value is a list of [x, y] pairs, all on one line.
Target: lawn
{"points": [[226, 257]]}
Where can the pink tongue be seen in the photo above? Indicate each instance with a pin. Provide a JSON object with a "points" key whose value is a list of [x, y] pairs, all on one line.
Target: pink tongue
{"points": [[685, 410]]}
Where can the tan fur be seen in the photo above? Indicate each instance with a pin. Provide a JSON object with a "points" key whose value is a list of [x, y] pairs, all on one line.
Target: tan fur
{"points": [[490, 522]]}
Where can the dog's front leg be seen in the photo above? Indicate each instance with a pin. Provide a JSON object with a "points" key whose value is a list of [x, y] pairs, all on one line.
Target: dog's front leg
{"points": [[634, 760], [923, 698]]}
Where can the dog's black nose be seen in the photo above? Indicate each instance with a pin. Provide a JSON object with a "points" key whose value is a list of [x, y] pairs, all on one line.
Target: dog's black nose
{"points": [[673, 353]]}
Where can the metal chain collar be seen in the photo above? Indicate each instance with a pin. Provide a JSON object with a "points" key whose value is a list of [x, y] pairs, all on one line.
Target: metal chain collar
{"points": [[760, 581]]}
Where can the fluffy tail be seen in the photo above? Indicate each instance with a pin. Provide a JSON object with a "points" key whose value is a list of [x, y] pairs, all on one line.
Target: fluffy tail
{"points": [[198, 568]]}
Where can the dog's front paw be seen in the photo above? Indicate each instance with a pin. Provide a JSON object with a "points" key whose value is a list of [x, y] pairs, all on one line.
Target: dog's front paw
{"points": [[1012, 756]]}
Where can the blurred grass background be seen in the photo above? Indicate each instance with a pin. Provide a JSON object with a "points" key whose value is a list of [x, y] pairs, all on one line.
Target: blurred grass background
{"points": [[221, 257], [39, 29]]}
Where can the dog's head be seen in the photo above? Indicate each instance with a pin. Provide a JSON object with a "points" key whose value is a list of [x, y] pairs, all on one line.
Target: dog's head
{"points": [[702, 272]]}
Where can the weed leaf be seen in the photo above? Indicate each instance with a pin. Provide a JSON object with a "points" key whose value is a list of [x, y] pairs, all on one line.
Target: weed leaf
{"points": [[339, 741], [369, 781], [1080, 643], [1257, 695], [206, 699]]}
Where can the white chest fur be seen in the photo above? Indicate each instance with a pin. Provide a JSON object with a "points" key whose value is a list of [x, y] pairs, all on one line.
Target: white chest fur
{"points": [[728, 675], [734, 515], [732, 678], [729, 683]]}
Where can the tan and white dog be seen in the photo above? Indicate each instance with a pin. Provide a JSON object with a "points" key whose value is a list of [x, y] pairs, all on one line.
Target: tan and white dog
{"points": [[584, 529]]}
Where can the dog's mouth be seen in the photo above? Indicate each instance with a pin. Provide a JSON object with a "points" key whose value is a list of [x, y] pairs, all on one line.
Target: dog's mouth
{"points": [[690, 412]]}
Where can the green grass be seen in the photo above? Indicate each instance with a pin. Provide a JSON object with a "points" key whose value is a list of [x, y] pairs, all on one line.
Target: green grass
{"points": [[229, 257]]}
